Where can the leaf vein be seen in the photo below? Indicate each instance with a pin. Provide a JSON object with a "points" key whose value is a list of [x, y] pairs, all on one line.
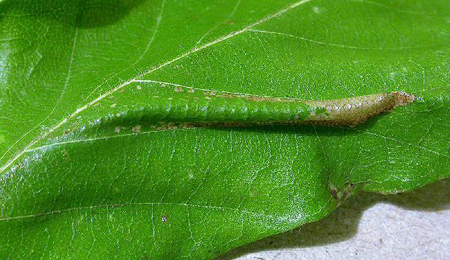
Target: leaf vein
{"points": [[406, 143], [121, 205], [184, 55], [335, 44]]}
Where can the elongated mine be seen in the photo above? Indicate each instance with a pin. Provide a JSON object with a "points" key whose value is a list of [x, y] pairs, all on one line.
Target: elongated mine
{"points": [[194, 107]]}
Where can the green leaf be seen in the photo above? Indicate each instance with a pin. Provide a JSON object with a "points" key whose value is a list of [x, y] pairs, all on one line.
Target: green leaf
{"points": [[76, 184]]}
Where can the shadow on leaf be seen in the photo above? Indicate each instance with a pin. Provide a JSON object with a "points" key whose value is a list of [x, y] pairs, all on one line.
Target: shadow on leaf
{"points": [[343, 223], [82, 13], [307, 130]]}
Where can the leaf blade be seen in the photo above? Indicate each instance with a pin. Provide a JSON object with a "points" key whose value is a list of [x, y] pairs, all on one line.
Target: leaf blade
{"points": [[307, 170]]}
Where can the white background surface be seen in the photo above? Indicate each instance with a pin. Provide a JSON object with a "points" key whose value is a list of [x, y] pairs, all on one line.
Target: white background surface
{"points": [[414, 225]]}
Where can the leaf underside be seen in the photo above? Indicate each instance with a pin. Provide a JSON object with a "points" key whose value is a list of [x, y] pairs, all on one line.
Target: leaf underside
{"points": [[71, 189]]}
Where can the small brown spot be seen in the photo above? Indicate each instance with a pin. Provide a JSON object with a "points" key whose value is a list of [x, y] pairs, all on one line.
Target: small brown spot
{"points": [[138, 87], [178, 89], [163, 85], [296, 117], [191, 90], [333, 192], [136, 129], [164, 219], [117, 129], [113, 105], [65, 153]]}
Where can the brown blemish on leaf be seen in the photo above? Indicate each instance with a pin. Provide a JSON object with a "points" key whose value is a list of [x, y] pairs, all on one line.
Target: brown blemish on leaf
{"points": [[257, 98], [65, 154], [333, 192], [136, 129], [343, 193], [20, 165]]}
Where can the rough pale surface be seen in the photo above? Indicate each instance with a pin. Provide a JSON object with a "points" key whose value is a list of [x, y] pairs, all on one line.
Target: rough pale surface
{"points": [[404, 226]]}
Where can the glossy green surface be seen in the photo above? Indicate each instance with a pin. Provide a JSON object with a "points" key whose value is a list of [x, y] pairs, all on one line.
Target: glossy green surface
{"points": [[75, 186]]}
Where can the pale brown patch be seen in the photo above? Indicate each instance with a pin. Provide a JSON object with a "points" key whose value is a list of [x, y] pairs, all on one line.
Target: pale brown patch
{"points": [[136, 129], [402, 98]]}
